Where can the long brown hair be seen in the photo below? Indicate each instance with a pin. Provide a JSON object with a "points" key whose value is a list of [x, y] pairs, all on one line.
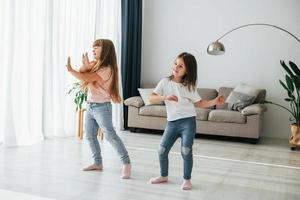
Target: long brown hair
{"points": [[108, 58], [190, 78]]}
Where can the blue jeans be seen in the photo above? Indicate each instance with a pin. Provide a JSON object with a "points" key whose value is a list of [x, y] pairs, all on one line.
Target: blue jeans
{"points": [[100, 115], [186, 129]]}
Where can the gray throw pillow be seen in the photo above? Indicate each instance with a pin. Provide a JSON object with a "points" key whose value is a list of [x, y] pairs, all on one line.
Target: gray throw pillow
{"points": [[243, 95]]}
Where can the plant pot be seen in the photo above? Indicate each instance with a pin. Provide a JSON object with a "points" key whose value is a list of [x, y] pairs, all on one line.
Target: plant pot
{"points": [[295, 137]]}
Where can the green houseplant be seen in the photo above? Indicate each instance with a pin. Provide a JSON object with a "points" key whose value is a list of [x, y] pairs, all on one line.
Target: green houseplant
{"points": [[79, 99], [292, 87], [80, 94]]}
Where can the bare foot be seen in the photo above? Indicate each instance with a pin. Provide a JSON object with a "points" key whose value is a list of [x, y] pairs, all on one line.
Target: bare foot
{"points": [[93, 167], [159, 179], [186, 185], [126, 171]]}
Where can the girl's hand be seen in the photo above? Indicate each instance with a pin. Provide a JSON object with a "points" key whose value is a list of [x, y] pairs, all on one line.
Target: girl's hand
{"points": [[68, 65], [86, 62], [172, 98], [219, 100]]}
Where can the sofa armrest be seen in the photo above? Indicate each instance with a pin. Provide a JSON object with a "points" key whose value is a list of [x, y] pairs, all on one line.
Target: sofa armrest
{"points": [[254, 109], [135, 101]]}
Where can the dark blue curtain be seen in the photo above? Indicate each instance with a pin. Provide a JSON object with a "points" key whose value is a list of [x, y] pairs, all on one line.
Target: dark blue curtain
{"points": [[131, 49]]}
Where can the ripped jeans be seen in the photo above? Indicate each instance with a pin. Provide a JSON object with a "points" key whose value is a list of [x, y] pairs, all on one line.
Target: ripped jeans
{"points": [[186, 129], [100, 115]]}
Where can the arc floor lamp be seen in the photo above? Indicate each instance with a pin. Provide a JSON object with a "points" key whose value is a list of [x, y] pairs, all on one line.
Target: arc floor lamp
{"points": [[217, 48]]}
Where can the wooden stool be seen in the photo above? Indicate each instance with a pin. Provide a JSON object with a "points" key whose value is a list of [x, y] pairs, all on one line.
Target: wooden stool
{"points": [[80, 126]]}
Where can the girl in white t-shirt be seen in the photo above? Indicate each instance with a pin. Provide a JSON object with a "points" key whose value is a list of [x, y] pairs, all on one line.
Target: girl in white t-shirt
{"points": [[180, 96]]}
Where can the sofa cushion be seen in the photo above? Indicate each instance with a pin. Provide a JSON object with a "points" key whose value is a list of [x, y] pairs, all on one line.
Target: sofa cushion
{"points": [[243, 95], [226, 116], [261, 96], [254, 109], [224, 91], [145, 94], [207, 94], [202, 114], [157, 110], [135, 101]]}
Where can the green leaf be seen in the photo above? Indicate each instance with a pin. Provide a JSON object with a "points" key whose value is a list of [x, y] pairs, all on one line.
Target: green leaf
{"points": [[289, 82], [296, 80], [80, 95], [286, 68], [295, 68], [81, 98], [290, 94], [76, 84], [283, 85], [288, 99], [72, 89]]}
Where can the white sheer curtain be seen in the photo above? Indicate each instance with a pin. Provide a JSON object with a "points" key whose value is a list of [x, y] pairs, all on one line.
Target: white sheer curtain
{"points": [[70, 26], [21, 63], [36, 36]]}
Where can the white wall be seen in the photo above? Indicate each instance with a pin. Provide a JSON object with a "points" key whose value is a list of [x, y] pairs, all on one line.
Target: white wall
{"points": [[252, 54]]}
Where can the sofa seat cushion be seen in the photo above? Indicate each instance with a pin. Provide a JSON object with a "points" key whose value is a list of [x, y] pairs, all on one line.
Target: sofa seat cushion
{"points": [[227, 116], [157, 110], [202, 114]]}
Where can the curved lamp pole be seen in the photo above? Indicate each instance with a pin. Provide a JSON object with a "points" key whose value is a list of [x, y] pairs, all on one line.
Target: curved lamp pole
{"points": [[217, 48]]}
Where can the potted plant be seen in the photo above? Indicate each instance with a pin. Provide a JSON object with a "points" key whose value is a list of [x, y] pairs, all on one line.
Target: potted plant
{"points": [[80, 94], [79, 99], [292, 87]]}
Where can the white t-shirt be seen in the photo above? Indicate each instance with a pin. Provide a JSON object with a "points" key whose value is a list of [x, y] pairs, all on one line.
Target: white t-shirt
{"points": [[185, 106]]}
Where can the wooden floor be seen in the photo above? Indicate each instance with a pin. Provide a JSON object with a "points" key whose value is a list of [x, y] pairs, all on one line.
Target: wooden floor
{"points": [[222, 170]]}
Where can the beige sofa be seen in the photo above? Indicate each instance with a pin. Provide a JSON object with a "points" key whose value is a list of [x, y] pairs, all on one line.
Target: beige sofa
{"points": [[215, 121]]}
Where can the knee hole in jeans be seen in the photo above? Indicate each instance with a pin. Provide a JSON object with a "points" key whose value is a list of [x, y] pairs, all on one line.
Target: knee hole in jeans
{"points": [[185, 151], [161, 150]]}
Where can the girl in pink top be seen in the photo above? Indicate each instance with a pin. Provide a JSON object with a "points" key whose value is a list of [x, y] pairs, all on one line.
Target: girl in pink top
{"points": [[100, 77]]}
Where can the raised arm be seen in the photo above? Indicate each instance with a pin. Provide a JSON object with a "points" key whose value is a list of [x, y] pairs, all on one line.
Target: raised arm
{"points": [[85, 76], [86, 64], [219, 100], [155, 98]]}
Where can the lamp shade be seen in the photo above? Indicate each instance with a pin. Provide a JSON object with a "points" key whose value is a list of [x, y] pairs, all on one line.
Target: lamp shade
{"points": [[216, 48]]}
